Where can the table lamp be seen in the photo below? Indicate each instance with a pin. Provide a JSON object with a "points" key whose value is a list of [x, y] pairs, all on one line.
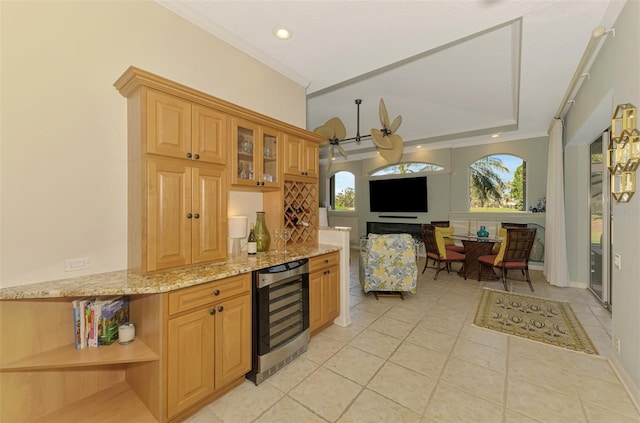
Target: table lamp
{"points": [[237, 231]]}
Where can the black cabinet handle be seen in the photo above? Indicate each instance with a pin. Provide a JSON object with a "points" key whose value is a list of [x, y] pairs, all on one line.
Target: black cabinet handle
{"points": [[189, 215], [197, 156], [188, 155], [212, 311], [197, 216], [258, 183], [216, 292], [220, 308]]}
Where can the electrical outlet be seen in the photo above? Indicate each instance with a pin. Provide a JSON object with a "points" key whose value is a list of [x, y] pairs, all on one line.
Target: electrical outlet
{"points": [[617, 344], [71, 265], [617, 261]]}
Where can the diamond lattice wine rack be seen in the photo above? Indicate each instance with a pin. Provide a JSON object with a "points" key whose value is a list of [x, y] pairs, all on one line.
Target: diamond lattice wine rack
{"points": [[301, 211]]}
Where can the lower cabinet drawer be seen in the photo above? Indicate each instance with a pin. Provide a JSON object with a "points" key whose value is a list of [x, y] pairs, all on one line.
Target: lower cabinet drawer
{"points": [[320, 262], [200, 295]]}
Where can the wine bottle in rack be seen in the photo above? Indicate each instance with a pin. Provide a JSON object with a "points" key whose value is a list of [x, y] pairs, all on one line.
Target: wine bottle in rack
{"points": [[290, 216]]}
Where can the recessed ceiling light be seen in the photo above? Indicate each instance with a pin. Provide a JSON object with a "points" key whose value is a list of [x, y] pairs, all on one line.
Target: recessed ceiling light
{"points": [[418, 146], [495, 135], [283, 34]]}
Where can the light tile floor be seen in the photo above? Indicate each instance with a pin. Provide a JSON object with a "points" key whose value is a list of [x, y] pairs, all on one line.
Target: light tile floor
{"points": [[421, 360]]}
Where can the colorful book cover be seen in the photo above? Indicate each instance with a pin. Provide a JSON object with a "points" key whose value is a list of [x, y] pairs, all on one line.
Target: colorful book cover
{"points": [[96, 320], [82, 306], [77, 324], [112, 314]]}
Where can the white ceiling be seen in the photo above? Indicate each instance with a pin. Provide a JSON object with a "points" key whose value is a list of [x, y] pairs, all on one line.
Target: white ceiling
{"points": [[456, 70]]}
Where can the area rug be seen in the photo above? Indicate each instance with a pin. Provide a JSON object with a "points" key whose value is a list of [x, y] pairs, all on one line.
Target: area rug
{"points": [[539, 319]]}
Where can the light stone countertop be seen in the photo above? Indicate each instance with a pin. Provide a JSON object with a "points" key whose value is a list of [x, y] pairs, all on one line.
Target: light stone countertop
{"points": [[123, 282]]}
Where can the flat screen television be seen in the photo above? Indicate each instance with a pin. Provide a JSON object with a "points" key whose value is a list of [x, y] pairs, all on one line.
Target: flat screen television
{"points": [[398, 195]]}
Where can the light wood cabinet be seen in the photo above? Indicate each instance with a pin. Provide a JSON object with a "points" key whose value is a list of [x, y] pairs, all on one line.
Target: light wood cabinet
{"points": [[255, 155], [184, 208], [177, 181], [324, 291], [301, 156], [43, 377], [209, 341], [178, 128]]}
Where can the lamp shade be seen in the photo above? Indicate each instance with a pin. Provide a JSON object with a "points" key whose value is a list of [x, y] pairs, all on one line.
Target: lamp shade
{"points": [[237, 226]]}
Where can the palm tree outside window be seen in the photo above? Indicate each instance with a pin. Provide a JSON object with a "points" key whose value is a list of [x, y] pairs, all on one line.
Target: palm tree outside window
{"points": [[497, 183]]}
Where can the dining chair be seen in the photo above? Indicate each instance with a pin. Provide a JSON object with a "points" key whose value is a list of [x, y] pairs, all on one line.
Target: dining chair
{"points": [[434, 244], [505, 225], [513, 254], [449, 243]]}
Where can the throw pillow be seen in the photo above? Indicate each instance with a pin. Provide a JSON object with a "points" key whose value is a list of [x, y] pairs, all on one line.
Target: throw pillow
{"points": [[503, 246], [442, 251]]}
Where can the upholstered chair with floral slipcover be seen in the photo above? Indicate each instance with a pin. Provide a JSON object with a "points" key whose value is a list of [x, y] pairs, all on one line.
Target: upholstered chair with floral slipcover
{"points": [[388, 264]]}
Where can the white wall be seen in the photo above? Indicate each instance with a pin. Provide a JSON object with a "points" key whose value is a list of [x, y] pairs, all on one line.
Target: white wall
{"points": [[614, 79], [63, 142]]}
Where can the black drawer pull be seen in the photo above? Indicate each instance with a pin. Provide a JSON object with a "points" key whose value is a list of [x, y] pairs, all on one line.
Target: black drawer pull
{"points": [[212, 311], [220, 308], [216, 292]]}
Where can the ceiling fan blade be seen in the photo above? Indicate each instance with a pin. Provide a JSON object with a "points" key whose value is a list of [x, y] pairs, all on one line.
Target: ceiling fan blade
{"points": [[395, 124], [336, 124], [384, 116], [341, 150], [325, 131], [394, 154], [380, 140]]}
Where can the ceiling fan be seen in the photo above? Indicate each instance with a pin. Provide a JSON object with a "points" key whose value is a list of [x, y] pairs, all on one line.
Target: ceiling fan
{"points": [[388, 143]]}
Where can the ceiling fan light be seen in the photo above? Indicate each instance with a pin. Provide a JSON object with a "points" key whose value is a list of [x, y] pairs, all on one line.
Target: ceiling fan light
{"points": [[282, 33]]}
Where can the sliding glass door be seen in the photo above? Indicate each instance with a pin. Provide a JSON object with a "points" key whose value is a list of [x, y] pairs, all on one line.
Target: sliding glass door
{"points": [[600, 222]]}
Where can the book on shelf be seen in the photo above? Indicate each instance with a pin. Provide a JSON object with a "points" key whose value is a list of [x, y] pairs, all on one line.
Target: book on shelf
{"points": [[96, 320], [112, 314], [79, 322]]}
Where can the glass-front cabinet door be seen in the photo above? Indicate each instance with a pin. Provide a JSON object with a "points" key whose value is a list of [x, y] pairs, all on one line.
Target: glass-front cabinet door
{"points": [[256, 155], [271, 152]]}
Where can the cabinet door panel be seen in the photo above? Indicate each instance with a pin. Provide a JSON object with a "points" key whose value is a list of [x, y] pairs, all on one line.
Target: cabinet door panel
{"points": [[270, 162], [209, 135], [331, 294], [190, 368], [244, 150], [209, 204], [168, 125], [315, 301], [293, 156], [311, 151], [168, 228], [233, 340]]}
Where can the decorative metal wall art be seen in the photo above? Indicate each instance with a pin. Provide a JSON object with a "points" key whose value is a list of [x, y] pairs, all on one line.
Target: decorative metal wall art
{"points": [[623, 153]]}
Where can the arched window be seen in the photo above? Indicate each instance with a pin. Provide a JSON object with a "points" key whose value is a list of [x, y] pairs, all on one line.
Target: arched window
{"points": [[342, 187], [403, 168], [498, 182]]}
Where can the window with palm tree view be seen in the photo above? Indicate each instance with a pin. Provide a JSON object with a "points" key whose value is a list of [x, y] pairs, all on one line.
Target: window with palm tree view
{"points": [[497, 183], [342, 191]]}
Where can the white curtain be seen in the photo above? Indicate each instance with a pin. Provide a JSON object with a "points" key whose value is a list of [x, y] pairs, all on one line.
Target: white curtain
{"points": [[555, 241]]}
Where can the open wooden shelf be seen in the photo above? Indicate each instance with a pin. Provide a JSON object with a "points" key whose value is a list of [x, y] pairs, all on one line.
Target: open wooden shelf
{"points": [[116, 404], [67, 356]]}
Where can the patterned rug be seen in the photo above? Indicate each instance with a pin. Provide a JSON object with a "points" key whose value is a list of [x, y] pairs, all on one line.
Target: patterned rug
{"points": [[539, 319]]}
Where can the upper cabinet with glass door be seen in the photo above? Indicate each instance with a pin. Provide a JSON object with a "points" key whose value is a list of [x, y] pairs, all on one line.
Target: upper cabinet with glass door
{"points": [[256, 151]]}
